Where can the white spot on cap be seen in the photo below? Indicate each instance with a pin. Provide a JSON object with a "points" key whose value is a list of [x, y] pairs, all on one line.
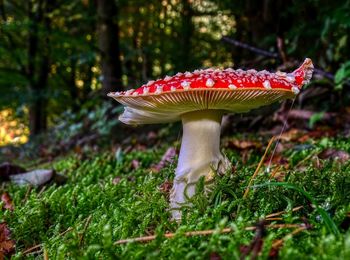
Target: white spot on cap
{"points": [[229, 70], [179, 74], [135, 93], [128, 92], [145, 90], [149, 83], [281, 73], [308, 75], [239, 81], [251, 71], [167, 78], [295, 90], [114, 94], [188, 74], [186, 85], [209, 83], [173, 89], [290, 78], [232, 86], [267, 84], [159, 90]]}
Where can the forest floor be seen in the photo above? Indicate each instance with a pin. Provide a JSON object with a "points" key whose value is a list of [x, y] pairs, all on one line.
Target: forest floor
{"points": [[298, 209]]}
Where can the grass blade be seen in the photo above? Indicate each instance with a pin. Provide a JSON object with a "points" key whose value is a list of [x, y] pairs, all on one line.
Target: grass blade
{"points": [[331, 226]]}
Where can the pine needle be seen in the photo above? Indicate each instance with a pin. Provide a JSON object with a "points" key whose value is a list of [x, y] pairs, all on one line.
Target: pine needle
{"points": [[283, 212], [200, 233], [279, 242], [259, 166]]}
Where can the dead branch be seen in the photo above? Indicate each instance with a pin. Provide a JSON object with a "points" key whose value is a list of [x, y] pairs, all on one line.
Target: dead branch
{"points": [[274, 55]]}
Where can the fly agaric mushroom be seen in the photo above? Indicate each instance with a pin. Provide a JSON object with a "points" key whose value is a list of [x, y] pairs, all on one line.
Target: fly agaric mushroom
{"points": [[200, 99]]}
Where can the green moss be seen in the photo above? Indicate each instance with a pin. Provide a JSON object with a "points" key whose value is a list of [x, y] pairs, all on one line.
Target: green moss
{"points": [[85, 216]]}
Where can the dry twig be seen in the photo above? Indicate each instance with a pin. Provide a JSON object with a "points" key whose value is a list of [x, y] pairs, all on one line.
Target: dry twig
{"points": [[279, 242], [201, 233], [273, 219], [41, 191], [87, 223], [275, 171], [283, 212], [66, 231], [273, 55], [32, 249], [46, 255], [26, 196], [259, 166]]}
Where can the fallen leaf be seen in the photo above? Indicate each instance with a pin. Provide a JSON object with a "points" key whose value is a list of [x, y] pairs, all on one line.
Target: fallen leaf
{"points": [[167, 158], [245, 148], [7, 245], [7, 169], [334, 154], [276, 159], [165, 187], [291, 135], [243, 144], [318, 133], [5, 197], [278, 174]]}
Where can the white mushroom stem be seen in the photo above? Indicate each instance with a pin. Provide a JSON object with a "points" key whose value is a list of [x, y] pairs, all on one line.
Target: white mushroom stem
{"points": [[199, 155]]}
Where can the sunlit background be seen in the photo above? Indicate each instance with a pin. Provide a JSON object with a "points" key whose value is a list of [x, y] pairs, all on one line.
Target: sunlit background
{"points": [[56, 56]]}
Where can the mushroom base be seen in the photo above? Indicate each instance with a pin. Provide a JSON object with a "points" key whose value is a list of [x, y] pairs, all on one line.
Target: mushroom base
{"points": [[199, 156]]}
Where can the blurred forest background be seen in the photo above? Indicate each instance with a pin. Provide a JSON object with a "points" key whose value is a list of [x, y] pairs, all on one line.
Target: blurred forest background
{"points": [[59, 58]]}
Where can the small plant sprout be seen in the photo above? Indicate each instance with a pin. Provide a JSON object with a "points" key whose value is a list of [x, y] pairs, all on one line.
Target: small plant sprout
{"points": [[200, 99]]}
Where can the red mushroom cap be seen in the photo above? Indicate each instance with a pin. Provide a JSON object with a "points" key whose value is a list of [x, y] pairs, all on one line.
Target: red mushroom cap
{"points": [[164, 100]]}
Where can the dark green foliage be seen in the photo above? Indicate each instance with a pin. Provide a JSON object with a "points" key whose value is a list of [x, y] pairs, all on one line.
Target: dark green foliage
{"points": [[159, 38]]}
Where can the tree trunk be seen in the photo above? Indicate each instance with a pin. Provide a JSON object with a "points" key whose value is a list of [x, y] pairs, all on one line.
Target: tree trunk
{"points": [[38, 66], [187, 31], [73, 89], [108, 41]]}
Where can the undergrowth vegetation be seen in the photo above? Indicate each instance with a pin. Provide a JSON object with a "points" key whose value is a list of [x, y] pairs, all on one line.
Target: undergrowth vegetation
{"points": [[106, 199]]}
